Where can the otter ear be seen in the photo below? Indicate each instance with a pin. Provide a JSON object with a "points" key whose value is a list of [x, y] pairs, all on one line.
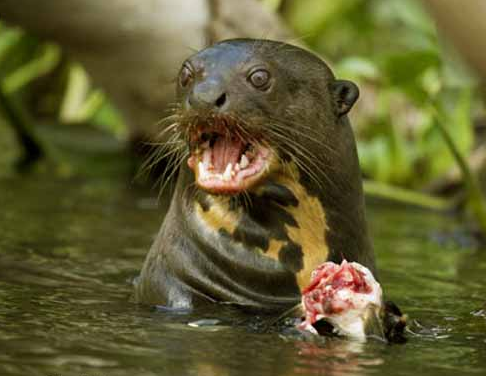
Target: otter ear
{"points": [[345, 95]]}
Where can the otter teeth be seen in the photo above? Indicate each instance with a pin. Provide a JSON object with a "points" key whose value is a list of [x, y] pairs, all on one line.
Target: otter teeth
{"points": [[244, 162], [202, 171], [227, 172], [207, 159], [206, 169]]}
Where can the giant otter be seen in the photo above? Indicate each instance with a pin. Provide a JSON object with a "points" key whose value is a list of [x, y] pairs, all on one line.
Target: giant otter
{"points": [[269, 185]]}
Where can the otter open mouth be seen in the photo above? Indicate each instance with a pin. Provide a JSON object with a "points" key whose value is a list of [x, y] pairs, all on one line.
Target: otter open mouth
{"points": [[225, 163]]}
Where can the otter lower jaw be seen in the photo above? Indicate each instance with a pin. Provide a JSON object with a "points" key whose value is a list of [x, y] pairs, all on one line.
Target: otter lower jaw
{"points": [[228, 165]]}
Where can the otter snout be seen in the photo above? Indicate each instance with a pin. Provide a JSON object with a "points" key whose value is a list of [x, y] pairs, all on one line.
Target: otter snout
{"points": [[207, 95]]}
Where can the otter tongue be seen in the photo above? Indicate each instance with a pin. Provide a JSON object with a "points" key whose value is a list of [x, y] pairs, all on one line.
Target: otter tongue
{"points": [[226, 150]]}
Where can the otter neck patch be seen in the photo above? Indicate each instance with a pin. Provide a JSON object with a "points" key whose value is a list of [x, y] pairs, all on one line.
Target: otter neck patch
{"points": [[280, 221], [215, 212], [308, 233]]}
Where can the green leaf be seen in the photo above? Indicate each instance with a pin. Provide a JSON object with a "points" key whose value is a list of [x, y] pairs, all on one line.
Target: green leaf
{"points": [[357, 67]]}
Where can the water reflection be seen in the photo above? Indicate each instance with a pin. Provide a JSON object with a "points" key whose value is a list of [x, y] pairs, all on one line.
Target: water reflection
{"points": [[332, 357], [335, 358]]}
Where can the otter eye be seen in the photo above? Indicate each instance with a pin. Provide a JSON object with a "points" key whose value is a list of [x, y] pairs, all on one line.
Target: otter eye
{"points": [[185, 76], [260, 78]]}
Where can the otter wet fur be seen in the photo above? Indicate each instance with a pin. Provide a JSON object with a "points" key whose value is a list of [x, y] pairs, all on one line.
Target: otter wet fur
{"points": [[269, 185]]}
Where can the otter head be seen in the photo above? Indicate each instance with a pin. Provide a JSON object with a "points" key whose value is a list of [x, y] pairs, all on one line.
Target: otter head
{"points": [[252, 110]]}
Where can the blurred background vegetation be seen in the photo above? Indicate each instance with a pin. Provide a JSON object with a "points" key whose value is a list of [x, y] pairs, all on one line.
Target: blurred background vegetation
{"points": [[391, 49], [413, 88]]}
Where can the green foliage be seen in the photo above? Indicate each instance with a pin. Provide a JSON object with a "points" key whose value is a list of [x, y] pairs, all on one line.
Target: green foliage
{"points": [[24, 60], [390, 48]]}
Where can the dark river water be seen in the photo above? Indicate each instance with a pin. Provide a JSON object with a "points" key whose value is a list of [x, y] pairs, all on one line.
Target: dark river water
{"points": [[70, 247]]}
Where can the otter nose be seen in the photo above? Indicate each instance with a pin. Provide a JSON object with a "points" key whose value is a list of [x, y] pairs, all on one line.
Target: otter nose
{"points": [[207, 95]]}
